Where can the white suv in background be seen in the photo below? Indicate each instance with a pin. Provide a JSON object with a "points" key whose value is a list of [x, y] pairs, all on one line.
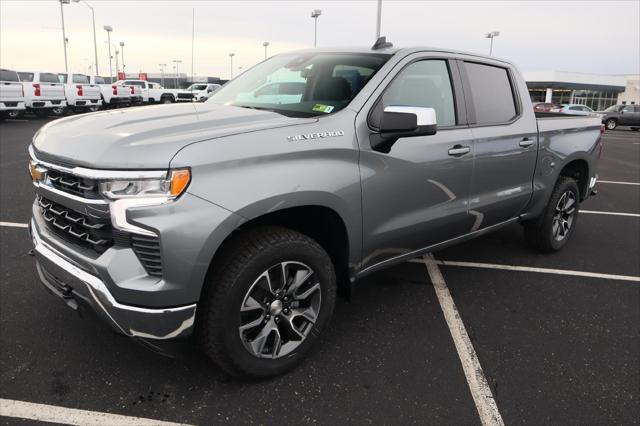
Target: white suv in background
{"points": [[81, 94], [202, 91], [11, 94], [43, 93]]}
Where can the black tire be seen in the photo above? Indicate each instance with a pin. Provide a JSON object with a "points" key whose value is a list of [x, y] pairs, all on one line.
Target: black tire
{"points": [[541, 233], [14, 114], [166, 99], [235, 271], [58, 111], [611, 124]]}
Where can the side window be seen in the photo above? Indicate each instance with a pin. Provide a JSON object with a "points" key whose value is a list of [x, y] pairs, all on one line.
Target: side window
{"points": [[628, 109], [422, 84], [492, 93]]}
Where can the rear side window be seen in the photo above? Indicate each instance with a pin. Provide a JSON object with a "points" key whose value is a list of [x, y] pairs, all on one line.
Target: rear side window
{"points": [[100, 80], [47, 77], [7, 75], [421, 84], [491, 92], [80, 78], [25, 76]]}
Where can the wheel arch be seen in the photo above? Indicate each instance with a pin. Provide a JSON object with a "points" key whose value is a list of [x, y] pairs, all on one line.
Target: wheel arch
{"points": [[577, 169]]}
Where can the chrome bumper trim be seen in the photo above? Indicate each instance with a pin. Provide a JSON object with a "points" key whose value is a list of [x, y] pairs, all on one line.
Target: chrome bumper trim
{"points": [[133, 321]]}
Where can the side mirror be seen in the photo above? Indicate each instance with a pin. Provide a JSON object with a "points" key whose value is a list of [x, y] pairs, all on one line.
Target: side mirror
{"points": [[403, 122]]}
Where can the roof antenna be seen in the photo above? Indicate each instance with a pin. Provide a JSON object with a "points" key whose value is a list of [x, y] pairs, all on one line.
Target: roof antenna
{"points": [[381, 43]]}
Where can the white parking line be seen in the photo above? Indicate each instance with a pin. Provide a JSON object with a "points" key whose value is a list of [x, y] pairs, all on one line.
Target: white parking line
{"points": [[14, 224], [619, 183], [70, 416], [533, 269], [610, 213], [478, 385]]}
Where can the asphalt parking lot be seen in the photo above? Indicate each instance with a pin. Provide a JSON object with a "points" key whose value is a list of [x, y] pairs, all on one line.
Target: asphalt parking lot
{"points": [[557, 336]]}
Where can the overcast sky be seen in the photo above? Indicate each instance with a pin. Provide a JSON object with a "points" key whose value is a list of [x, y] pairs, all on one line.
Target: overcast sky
{"points": [[582, 36]]}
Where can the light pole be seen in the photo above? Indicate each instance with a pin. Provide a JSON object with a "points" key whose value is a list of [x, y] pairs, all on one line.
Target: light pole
{"points": [[117, 66], [231, 55], [162, 72], [314, 14], [95, 43], [122, 50], [265, 44], [64, 36], [491, 35], [108, 29], [177, 62]]}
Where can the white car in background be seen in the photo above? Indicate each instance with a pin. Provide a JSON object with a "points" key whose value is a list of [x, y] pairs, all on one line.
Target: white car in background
{"points": [[153, 92], [43, 93], [203, 91], [81, 94], [112, 94], [11, 94], [573, 109]]}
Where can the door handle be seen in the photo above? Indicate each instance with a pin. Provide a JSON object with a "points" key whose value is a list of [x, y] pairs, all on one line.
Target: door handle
{"points": [[526, 142], [459, 150]]}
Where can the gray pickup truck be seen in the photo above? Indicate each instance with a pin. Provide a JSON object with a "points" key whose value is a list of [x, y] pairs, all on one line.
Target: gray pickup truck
{"points": [[236, 221]]}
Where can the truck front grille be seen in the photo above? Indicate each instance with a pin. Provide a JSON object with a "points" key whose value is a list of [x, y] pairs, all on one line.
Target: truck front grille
{"points": [[82, 187], [185, 96], [76, 227], [147, 249]]}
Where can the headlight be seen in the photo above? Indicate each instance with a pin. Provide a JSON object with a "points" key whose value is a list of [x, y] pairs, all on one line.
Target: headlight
{"points": [[170, 187]]}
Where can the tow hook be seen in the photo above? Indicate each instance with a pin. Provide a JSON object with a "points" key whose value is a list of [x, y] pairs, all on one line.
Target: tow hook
{"points": [[31, 252]]}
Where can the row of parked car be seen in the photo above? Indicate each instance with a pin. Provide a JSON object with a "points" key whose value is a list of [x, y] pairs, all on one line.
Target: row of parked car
{"points": [[612, 117], [47, 93]]}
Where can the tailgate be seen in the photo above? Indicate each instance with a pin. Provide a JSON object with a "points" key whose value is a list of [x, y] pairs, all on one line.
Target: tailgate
{"points": [[52, 91], [90, 91], [10, 91], [124, 91]]}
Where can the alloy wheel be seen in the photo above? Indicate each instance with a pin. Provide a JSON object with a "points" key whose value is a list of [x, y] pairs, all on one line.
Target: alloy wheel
{"points": [[564, 216], [279, 310]]}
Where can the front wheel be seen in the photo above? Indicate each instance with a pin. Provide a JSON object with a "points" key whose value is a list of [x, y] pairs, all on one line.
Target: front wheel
{"points": [[271, 294], [552, 230], [611, 124]]}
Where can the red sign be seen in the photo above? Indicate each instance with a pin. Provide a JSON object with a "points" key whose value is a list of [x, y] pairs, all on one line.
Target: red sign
{"points": [[121, 76], [142, 76]]}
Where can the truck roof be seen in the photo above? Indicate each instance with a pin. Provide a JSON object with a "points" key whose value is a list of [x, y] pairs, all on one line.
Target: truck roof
{"points": [[395, 50]]}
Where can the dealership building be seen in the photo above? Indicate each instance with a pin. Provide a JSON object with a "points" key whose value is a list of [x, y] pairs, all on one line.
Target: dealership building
{"points": [[596, 91]]}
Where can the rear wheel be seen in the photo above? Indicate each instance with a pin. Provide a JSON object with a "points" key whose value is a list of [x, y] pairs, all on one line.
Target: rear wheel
{"points": [[611, 124], [271, 295], [166, 100], [58, 111], [552, 230]]}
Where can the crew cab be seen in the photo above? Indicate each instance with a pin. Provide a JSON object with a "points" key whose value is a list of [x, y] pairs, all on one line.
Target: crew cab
{"points": [[112, 94], [153, 92], [43, 93], [80, 93], [11, 94], [203, 91], [236, 220]]}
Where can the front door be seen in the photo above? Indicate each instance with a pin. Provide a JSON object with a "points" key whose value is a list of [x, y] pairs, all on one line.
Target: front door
{"points": [[416, 195]]}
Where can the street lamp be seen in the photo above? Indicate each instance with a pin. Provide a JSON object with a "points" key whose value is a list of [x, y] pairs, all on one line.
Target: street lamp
{"points": [[64, 36], [95, 44], [491, 35], [177, 62], [314, 14], [108, 29], [122, 50], [265, 44], [231, 55], [162, 72]]}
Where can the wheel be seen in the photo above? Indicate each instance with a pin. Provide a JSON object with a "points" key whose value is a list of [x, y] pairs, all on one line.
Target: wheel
{"points": [[93, 108], [551, 231], [611, 124], [166, 100], [58, 111], [271, 294], [14, 114]]}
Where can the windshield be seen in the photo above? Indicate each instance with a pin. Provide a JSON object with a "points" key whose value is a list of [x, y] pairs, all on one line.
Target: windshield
{"points": [[197, 87], [301, 85]]}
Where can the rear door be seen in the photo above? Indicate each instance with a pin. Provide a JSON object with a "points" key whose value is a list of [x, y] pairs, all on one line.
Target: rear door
{"points": [[505, 142], [416, 195], [630, 115]]}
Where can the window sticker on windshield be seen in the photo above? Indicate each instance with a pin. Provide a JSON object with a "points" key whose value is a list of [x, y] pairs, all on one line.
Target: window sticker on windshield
{"points": [[323, 108]]}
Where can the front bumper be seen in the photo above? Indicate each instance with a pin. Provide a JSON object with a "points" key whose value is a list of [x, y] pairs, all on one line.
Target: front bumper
{"points": [[71, 283]]}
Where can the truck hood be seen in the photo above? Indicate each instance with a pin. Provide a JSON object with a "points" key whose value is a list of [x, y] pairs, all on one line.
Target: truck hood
{"points": [[146, 137]]}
